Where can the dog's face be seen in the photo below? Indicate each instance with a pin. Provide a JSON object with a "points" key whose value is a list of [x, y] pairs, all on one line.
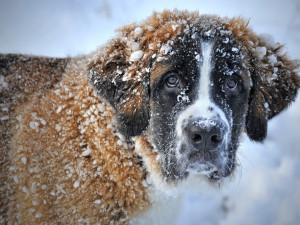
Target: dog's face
{"points": [[199, 99], [191, 85]]}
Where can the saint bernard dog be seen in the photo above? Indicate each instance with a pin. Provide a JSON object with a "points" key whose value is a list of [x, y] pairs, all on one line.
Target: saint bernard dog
{"points": [[92, 139]]}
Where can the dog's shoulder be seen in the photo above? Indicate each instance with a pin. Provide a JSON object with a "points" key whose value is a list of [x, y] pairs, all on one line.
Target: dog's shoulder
{"points": [[21, 78]]}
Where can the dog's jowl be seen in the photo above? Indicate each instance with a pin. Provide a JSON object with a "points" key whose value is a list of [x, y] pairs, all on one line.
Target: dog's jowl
{"points": [[90, 140]]}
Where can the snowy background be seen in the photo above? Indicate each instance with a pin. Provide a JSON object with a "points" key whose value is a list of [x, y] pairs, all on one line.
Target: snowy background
{"points": [[266, 188]]}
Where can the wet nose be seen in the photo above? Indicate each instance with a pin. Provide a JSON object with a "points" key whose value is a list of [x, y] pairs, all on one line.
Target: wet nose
{"points": [[204, 137]]}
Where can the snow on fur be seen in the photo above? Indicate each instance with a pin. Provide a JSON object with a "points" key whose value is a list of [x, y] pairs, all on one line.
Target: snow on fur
{"points": [[65, 160]]}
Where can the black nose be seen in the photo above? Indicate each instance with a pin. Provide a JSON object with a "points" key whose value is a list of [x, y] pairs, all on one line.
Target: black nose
{"points": [[204, 137]]}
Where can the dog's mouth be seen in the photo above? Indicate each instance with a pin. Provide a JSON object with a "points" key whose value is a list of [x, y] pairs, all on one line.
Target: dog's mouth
{"points": [[214, 168], [208, 170], [201, 168], [197, 164], [212, 163]]}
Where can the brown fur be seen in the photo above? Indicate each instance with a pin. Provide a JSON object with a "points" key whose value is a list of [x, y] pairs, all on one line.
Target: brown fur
{"points": [[58, 115], [25, 76], [62, 159]]}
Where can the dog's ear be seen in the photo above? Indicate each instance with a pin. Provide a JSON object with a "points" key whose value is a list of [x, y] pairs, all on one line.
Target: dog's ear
{"points": [[122, 79], [274, 85]]}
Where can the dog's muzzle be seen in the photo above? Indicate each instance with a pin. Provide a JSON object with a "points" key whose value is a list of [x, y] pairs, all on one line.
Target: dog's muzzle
{"points": [[206, 145]]}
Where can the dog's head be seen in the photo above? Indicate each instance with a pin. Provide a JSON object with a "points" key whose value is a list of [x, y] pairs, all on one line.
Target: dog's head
{"points": [[188, 85]]}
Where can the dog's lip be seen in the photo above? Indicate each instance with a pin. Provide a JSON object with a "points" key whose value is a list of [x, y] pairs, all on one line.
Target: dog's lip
{"points": [[208, 170], [203, 168], [198, 165], [214, 176]]}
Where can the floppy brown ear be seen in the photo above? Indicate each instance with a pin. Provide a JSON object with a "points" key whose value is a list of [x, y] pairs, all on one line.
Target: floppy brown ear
{"points": [[275, 85], [124, 84]]}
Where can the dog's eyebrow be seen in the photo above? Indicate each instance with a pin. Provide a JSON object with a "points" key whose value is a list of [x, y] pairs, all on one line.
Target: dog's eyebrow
{"points": [[159, 69]]}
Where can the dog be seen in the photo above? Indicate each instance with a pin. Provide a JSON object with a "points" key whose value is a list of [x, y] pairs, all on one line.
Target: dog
{"points": [[91, 139]]}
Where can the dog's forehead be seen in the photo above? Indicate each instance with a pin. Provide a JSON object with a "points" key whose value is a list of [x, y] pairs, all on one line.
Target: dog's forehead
{"points": [[227, 56]]}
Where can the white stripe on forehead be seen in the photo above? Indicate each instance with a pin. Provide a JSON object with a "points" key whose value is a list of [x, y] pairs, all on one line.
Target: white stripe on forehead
{"points": [[205, 74], [204, 107]]}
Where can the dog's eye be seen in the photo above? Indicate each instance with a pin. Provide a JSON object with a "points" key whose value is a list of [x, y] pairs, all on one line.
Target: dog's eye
{"points": [[172, 81], [231, 84]]}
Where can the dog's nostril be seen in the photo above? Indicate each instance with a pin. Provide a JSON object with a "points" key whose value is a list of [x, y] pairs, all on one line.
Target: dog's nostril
{"points": [[197, 138], [215, 139], [201, 137]]}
